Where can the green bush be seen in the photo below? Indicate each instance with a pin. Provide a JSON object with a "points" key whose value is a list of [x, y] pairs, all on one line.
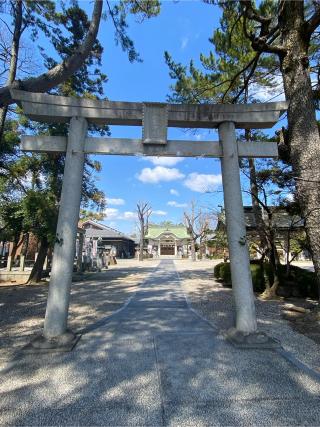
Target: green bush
{"points": [[257, 277], [225, 272], [300, 281], [216, 270], [222, 271], [304, 280]]}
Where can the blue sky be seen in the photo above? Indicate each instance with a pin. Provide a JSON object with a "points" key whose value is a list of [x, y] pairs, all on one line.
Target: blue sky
{"points": [[183, 29], [168, 185]]}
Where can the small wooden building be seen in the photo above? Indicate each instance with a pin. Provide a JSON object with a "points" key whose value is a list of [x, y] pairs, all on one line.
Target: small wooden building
{"points": [[101, 237]]}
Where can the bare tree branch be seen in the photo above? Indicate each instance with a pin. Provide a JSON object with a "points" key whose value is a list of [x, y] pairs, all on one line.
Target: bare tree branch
{"points": [[253, 14], [314, 22], [247, 79], [263, 42], [144, 211], [62, 71], [17, 12], [253, 62]]}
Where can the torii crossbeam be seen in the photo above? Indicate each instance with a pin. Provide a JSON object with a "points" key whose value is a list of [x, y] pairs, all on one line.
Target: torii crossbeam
{"points": [[154, 118]]}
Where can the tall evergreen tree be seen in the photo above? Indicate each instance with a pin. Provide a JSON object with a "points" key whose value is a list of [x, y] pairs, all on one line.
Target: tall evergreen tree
{"points": [[42, 15], [288, 30], [86, 82], [225, 77]]}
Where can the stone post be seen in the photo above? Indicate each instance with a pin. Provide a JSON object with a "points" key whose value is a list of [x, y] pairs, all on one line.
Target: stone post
{"points": [[236, 232], [9, 263], [80, 250], [55, 324], [22, 263]]}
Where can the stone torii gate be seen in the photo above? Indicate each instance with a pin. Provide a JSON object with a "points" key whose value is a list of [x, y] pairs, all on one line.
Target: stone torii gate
{"points": [[154, 118]]}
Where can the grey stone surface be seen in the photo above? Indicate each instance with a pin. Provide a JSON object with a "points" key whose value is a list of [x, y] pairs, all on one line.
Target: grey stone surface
{"points": [[258, 340], [134, 147], [62, 343], [51, 109], [155, 363], [236, 231], [55, 322]]}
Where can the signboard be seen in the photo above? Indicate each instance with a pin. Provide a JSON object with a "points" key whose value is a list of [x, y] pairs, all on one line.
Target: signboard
{"points": [[155, 123]]}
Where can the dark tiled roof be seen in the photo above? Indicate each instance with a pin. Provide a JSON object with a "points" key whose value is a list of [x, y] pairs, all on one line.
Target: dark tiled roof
{"points": [[281, 219], [105, 232]]}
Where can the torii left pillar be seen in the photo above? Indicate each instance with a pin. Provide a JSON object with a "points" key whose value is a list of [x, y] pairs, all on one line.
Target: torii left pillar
{"points": [[55, 324]]}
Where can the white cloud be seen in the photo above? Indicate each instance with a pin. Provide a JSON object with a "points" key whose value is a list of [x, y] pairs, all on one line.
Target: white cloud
{"points": [[129, 215], [112, 213], [174, 192], [177, 205], [184, 42], [159, 173], [160, 213], [202, 183], [115, 202], [266, 94], [164, 161]]}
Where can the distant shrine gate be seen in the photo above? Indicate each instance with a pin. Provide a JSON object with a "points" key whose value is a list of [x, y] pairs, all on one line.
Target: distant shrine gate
{"points": [[154, 118]]}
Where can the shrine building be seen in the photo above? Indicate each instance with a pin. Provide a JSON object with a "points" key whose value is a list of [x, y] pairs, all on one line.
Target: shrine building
{"points": [[168, 241]]}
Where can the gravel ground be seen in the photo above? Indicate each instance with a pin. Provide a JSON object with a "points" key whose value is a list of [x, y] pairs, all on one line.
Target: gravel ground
{"points": [[156, 362], [215, 303], [98, 295], [94, 296]]}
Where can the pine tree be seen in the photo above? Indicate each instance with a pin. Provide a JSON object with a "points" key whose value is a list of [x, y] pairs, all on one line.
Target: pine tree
{"points": [[289, 31], [86, 82], [226, 77]]}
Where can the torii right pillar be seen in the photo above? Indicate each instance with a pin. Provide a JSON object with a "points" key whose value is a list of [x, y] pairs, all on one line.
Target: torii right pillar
{"points": [[236, 231], [245, 333]]}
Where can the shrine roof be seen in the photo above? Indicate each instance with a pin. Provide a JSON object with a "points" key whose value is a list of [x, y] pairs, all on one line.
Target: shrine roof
{"points": [[179, 231]]}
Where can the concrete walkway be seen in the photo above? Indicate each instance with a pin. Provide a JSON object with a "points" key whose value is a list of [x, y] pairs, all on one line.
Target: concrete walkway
{"points": [[156, 362]]}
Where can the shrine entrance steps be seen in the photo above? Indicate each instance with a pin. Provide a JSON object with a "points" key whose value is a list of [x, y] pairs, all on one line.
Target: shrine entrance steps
{"points": [[156, 362]]}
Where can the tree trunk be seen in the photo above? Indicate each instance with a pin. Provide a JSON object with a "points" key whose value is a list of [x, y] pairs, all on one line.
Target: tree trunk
{"points": [[303, 133], [25, 246], [288, 254], [261, 226], [14, 57], [266, 236], [16, 244], [37, 269], [141, 247], [193, 250], [271, 291], [62, 71]]}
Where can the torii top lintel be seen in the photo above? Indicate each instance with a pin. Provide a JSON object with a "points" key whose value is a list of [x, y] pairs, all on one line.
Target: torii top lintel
{"points": [[58, 109]]}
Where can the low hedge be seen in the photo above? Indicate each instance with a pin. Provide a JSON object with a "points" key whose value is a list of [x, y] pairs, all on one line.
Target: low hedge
{"points": [[299, 283], [216, 270]]}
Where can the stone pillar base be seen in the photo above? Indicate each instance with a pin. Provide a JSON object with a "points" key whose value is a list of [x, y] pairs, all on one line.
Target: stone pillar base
{"points": [[62, 343], [253, 340]]}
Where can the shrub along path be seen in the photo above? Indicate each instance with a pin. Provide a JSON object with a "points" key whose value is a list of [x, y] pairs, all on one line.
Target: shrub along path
{"points": [[214, 301], [155, 363]]}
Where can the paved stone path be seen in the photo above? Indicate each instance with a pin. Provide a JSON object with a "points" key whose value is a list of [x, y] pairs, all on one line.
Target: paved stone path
{"points": [[156, 362]]}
